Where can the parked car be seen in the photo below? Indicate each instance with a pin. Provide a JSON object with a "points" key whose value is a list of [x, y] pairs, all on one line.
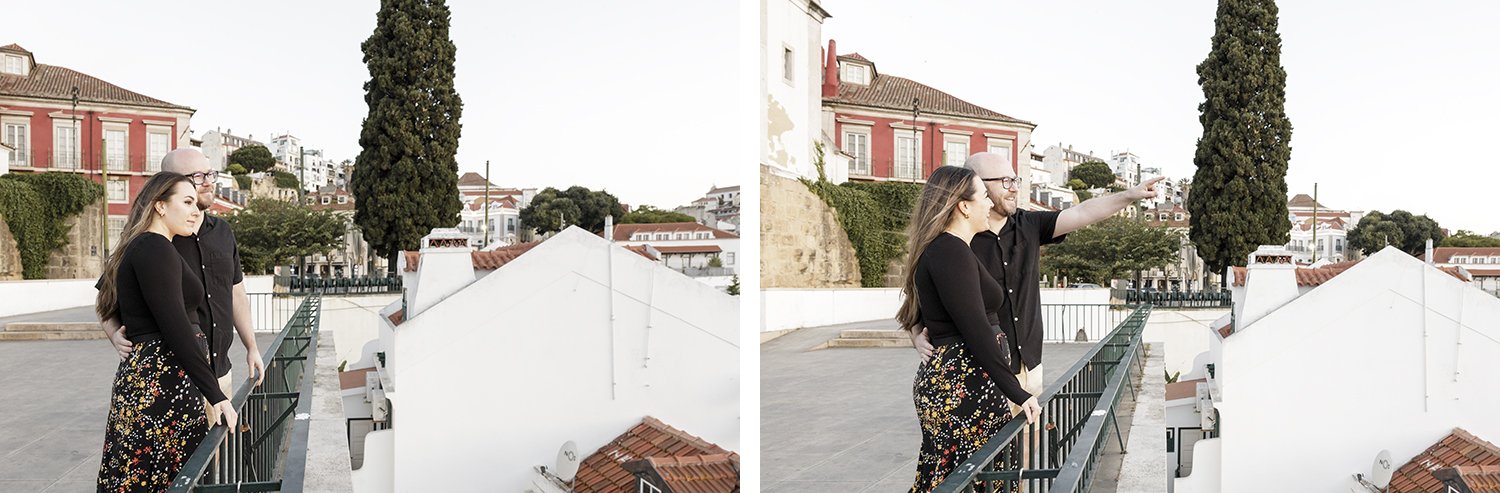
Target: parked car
{"points": [[1084, 285]]}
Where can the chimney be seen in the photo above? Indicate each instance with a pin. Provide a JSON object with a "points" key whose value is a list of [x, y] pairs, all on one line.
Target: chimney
{"points": [[446, 266], [831, 71], [1428, 256], [1270, 282], [609, 228]]}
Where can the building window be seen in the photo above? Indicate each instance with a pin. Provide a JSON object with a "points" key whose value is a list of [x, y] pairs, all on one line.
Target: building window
{"points": [[157, 144], [857, 145], [729, 258], [116, 228], [788, 64], [955, 152], [15, 64], [854, 73], [343, 199], [663, 236], [1178, 217], [64, 145], [326, 201], [114, 149], [683, 236], [119, 192], [908, 161], [15, 136]]}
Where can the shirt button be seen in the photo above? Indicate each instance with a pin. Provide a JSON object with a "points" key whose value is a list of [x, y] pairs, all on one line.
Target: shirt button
{"points": [[210, 296], [1006, 263], [1018, 319], [1011, 290]]}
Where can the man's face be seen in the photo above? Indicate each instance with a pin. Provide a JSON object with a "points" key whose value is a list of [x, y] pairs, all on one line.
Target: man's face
{"points": [[198, 170], [1003, 186]]}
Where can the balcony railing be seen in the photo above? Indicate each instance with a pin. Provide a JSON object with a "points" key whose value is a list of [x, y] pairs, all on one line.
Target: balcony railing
{"points": [[269, 450], [89, 161], [1061, 453], [1081, 323], [1179, 299], [706, 271], [339, 285]]}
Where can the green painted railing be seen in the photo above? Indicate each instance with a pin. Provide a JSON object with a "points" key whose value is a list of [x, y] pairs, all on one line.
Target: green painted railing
{"points": [[270, 449], [339, 285], [1061, 452], [1179, 299]]}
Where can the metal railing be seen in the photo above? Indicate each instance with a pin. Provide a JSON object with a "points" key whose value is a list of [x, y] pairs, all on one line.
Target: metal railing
{"points": [[272, 310], [1061, 453], [270, 448], [1179, 299], [1081, 322], [339, 285], [706, 271]]}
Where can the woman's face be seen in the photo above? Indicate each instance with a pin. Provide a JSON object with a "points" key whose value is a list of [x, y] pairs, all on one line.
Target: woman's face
{"points": [[180, 210], [978, 205]]}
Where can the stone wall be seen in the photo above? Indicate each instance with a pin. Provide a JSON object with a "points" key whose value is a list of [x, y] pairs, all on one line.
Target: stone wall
{"points": [[82, 256], [802, 244], [10, 255]]}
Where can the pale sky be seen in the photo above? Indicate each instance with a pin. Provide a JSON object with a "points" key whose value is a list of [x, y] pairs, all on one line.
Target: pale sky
{"points": [[631, 97], [1393, 105]]}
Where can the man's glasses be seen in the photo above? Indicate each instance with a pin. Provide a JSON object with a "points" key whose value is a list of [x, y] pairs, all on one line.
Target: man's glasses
{"points": [[1008, 182], [203, 177]]}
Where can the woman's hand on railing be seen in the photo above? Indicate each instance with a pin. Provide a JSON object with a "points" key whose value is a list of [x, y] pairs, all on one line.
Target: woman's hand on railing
{"points": [[231, 417], [1032, 410]]}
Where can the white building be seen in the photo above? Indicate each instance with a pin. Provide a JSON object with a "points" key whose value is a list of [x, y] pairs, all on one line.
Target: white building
{"points": [[503, 215], [1305, 385], [723, 244], [1320, 236], [309, 165], [1483, 264], [791, 101], [217, 146], [491, 361], [1059, 160]]}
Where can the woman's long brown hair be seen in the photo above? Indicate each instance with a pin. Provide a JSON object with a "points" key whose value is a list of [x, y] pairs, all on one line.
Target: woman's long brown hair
{"points": [[157, 189], [936, 208]]}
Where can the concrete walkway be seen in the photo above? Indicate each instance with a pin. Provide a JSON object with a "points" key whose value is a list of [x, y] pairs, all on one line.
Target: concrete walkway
{"points": [[1145, 466], [843, 419], [55, 402], [66, 315]]}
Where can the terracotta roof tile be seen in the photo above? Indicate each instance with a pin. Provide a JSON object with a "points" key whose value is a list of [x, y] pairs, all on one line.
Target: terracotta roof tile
{"points": [[689, 249], [604, 470], [15, 48], [472, 179], [895, 93], [397, 317], [490, 260], [1480, 479], [1457, 449], [624, 231], [708, 473], [1307, 277], [1304, 200], [53, 82], [1444, 255], [856, 56], [353, 378], [1183, 389]]}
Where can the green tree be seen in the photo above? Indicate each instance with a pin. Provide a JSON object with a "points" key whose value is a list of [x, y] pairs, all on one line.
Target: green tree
{"points": [[253, 157], [1246, 142], [286, 180], [1400, 229], [734, 286], [1112, 249], [1469, 239], [715, 262], [552, 210], [647, 214], [1080, 189], [271, 232], [405, 179], [236, 169], [1094, 174]]}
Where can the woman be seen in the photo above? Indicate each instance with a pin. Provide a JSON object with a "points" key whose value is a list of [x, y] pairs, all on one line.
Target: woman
{"points": [[157, 416], [958, 392]]}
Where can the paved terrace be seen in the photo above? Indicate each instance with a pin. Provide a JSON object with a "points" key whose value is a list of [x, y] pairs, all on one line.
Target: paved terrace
{"points": [[55, 402], [843, 419]]}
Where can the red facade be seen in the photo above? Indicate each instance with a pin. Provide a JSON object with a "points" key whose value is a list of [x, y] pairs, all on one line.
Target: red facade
{"points": [[41, 155]]}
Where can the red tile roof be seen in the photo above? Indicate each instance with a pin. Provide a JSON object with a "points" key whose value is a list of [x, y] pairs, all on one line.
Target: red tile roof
{"points": [[1457, 449], [642, 251], [709, 473], [472, 179], [53, 82], [1444, 255], [1483, 272], [1226, 330], [604, 470], [1183, 389], [689, 249], [490, 260], [624, 231], [856, 56], [1304, 200], [1307, 277], [397, 317], [895, 93], [353, 378], [1480, 479]]}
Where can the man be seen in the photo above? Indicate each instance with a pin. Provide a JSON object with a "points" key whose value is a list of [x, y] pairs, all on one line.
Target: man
{"points": [[1010, 251], [227, 308]]}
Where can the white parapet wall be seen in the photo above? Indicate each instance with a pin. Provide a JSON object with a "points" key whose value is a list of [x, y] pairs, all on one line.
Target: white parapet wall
{"points": [[788, 309], [45, 295]]}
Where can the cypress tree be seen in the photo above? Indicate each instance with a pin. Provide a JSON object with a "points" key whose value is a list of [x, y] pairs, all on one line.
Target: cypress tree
{"points": [[406, 178], [1239, 190]]}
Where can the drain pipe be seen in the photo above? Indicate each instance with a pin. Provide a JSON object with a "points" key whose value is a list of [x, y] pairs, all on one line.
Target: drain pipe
{"points": [[609, 285], [1426, 387]]}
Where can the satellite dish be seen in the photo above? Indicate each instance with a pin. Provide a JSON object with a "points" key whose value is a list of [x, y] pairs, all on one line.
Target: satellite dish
{"points": [[567, 462], [1380, 472]]}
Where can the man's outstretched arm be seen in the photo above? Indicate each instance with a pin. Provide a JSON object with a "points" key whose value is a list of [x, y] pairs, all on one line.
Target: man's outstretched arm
{"points": [[1098, 208]]}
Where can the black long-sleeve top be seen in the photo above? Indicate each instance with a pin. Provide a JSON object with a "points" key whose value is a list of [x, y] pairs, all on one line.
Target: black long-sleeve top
{"points": [[955, 294], [159, 293]]}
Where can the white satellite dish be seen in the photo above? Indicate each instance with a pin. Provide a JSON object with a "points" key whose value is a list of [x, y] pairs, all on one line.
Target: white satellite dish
{"points": [[567, 461], [1380, 473]]}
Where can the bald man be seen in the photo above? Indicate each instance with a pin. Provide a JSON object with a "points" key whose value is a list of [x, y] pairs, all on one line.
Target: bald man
{"points": [[227, 308]]}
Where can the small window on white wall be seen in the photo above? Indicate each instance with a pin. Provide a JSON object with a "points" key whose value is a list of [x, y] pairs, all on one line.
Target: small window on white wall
{"points": [[788, 64]]}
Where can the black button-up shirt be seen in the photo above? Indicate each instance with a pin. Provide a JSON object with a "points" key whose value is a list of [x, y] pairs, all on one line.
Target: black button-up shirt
{"points": [[217, 259], [1013, 258]]}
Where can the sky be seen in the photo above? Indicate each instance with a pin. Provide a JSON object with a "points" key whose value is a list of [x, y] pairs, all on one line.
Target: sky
{"points": [[630, 97], [1393, 105]]}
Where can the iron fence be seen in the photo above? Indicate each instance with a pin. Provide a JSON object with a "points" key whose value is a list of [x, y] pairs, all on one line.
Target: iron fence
{"points": [[271, 311], [338, 285], [270, 447], [1179, 299], [1060, 453], [1081, 322]]}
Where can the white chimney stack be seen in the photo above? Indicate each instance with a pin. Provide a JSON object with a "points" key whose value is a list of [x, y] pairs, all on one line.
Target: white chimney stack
{"points": [[1428, 257], [446, 266], [1270, 282], [609, 228]]}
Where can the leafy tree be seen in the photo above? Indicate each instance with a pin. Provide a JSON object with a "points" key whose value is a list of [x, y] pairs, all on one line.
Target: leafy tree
{"points": [[647, 214], [1094, 174], [1246, 142], [1400, 229], [286, 180], [1112, 249], [552, 210], [271, 232], [734, 286], [1470, 239], [253, 157], [1080, 189], [715, 262], [405, 179], [236, 169]]}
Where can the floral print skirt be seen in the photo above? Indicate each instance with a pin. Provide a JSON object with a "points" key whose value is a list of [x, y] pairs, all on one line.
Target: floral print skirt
{"points": [[156, 421], [959, 408]]}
